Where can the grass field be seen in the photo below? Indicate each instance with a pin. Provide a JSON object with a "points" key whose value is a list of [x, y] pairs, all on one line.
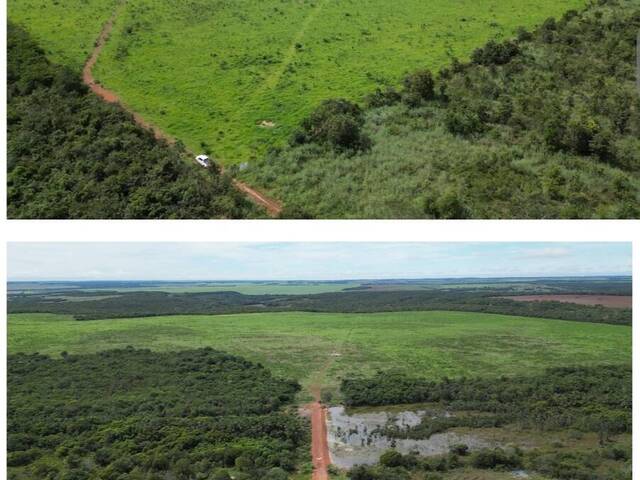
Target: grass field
{"points": [[211, 71], [320, 348]]}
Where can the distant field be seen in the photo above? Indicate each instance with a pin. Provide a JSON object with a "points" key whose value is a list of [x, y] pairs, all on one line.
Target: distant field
{"points": [[234, 77], [323, 347], [248, 288], [613, 301]]}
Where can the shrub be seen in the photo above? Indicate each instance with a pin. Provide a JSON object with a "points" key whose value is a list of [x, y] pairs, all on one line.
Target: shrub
{"points": [[383, 98], [391, 458], [494, 53], [418, 87], [488, 459], [337, 123], [459, 449]]}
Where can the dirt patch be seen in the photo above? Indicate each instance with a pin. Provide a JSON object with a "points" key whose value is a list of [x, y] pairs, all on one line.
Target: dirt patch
{"points": [[611, 301]]}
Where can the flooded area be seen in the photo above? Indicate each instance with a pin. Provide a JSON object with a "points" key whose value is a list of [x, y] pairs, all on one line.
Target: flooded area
{"points": [[357, 438]]}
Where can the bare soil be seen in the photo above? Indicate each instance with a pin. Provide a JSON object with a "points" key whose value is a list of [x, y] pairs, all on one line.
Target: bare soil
{"points": [[611, 301], [319, 443], [273, 207]]}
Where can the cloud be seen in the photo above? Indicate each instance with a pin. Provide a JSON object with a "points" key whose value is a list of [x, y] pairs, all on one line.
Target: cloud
{"points": [[549, 252]]}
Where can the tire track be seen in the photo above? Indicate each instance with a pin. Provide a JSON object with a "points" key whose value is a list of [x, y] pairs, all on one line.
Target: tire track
{"points": [[272, 206], [273, 79]]}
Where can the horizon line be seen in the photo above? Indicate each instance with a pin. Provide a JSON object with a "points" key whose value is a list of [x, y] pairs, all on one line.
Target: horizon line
{"points": [[355, 279]]}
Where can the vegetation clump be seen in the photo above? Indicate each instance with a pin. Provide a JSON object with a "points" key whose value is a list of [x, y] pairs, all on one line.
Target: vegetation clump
{"points": [[337, 123]]}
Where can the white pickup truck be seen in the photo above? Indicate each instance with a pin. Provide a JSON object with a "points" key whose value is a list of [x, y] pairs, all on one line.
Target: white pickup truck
{"points": [[203, 160]]}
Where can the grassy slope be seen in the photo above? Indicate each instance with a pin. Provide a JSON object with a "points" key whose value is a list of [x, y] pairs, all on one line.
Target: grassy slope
{"points": [[300, 345], [211, 71]]}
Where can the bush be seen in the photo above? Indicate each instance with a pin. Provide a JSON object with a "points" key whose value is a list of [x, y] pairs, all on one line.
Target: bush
{"points": [[391, 458], [382, 98], [494, 53], [460, 449], [489, 459], [418, 87], [337, 123]]}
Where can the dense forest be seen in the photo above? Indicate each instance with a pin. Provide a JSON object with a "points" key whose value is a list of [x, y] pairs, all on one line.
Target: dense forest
{"points": [[136, 414], [70, 155], [143, 304], [578, 399], [544, 125]]}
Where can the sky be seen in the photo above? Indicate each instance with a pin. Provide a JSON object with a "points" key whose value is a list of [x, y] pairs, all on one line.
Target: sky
{"points": [[311, 261]]}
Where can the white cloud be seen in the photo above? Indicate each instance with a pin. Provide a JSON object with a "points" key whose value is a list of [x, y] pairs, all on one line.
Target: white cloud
{"points": [[549, 252]]}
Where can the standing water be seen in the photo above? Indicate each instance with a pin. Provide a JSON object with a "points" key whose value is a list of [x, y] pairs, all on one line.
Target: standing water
{"points": [[357, 438]]}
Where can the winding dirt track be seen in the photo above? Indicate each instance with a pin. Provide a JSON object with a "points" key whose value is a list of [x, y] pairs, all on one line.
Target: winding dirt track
{"points": [[273, 207]]}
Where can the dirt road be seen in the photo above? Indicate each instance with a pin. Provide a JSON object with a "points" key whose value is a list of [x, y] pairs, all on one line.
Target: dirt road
{"points": [[273, 207], [319, 443]]}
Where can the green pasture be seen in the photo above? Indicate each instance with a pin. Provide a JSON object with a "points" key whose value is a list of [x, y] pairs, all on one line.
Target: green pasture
{"points": [[233, 77], [314, 347]]}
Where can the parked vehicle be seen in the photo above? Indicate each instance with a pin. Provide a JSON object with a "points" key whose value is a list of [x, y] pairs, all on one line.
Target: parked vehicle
{"points": [[203, 160]]}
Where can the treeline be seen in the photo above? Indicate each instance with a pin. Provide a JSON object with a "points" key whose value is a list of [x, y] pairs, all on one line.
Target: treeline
{"points": [[590, 399], [70, 155], [544, 125], [142, 304], [137, 414]]}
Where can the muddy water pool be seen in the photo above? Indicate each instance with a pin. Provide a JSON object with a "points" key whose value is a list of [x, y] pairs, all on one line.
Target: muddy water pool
{"points": [[356, 438]]}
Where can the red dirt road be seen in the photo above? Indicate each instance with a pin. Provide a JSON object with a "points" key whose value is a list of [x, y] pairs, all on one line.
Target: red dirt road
{"points": [[611, 301], [273, 207], [319, 444]]}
